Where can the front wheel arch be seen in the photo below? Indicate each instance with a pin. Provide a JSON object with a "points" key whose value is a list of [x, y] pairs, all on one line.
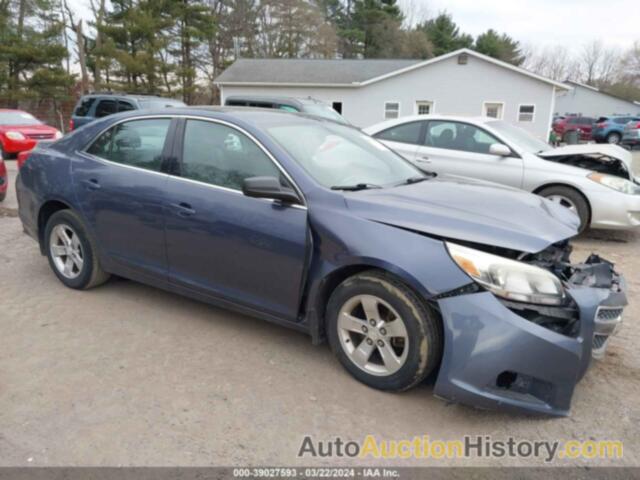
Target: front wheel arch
{"points": [[539, 189], [330, 282]]}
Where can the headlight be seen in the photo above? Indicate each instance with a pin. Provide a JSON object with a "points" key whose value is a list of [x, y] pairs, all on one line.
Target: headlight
{"points": [[11, 135], [58, 135], [616, 183], [509, 279]]}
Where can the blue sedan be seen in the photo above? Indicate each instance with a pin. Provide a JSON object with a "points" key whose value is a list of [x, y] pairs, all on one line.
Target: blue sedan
{"points": [[316, 226]]}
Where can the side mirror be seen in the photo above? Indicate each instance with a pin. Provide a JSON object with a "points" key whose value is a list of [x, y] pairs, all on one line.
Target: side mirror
{"points": [[499, 149], [268, 187]]}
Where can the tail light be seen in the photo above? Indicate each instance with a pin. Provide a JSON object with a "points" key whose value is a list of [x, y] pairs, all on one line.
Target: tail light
{"points": [[601, 125], [71, 126], [3, 172], [23, 157], [637, 125]]}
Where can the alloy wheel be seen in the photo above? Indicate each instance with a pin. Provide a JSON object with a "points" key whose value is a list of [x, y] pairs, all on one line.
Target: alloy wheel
{"points": [[373, 335], [66, 251]]}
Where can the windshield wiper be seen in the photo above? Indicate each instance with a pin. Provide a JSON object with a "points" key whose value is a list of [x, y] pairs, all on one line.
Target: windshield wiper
{"points": [[356, 187], [416, 179]]}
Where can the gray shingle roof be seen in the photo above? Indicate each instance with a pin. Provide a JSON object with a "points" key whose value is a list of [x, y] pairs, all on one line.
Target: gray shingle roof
{"points": [[309, 71]]}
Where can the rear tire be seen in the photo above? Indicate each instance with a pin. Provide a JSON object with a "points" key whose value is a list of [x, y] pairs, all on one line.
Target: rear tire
{"points": [[72, 252], [614, 138], [382, 333], [572, 199]]}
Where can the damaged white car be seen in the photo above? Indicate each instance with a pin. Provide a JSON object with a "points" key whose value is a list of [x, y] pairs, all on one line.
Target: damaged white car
{"points": [[595, 181]]}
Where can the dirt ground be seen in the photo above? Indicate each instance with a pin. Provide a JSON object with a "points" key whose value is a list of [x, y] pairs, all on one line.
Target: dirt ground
{"points": [[129, 375]]}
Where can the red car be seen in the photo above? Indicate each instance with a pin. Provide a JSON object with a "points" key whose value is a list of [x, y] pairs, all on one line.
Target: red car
{"points": [[20, 131], [574, 122], [4, 180]]}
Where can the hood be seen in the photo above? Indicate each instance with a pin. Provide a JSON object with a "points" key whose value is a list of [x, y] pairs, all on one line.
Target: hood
{"points": [[594, 149], [463, 209]]}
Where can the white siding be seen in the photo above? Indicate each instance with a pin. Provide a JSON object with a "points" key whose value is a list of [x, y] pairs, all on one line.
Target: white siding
{"points": [[591, 103], [454, 89]]}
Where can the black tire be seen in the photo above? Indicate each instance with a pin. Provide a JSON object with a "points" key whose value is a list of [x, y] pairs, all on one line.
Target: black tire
{"points": [[3, 195], [91, 274], [614, 136], [581, 204], [422, 323]]}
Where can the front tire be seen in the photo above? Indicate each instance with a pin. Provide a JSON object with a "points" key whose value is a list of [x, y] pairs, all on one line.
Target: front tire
{"points": [[571, 199], [382, 333], [72, 253]]}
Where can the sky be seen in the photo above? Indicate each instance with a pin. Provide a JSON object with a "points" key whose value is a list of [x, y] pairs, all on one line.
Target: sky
{"points": [[572, 23], [543, 22]]}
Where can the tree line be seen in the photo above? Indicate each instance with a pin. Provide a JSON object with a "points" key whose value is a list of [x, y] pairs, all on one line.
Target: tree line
{"points": [[178, 47]]}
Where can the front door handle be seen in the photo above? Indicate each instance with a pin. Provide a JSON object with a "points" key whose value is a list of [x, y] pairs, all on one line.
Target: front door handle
{"points": [[91, 184], [423, 159], [183, 209]]}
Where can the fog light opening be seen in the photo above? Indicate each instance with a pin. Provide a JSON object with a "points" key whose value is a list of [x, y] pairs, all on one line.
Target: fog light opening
{"points": [[506, 379]]}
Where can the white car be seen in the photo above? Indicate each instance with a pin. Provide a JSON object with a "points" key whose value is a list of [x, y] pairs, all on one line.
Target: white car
{"points": [[595, 181]]}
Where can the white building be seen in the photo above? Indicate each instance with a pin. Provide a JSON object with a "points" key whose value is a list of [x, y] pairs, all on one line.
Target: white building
{"points": [[366, 92], [590, 102]]}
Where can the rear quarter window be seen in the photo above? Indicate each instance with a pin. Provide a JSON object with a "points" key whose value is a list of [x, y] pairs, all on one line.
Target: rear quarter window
{"points": [[84, 106]]}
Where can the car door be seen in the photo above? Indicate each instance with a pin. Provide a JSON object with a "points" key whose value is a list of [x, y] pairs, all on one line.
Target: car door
{"points": [[121, 187], [223, 244], [403, 138], [460, 148]]}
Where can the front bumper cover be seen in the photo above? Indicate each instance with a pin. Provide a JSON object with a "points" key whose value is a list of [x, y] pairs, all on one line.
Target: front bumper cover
{"points": [[495, 358]]}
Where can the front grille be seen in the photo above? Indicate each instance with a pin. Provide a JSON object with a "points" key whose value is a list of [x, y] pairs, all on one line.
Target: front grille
{"points": [[40, 136], [608, 314]]}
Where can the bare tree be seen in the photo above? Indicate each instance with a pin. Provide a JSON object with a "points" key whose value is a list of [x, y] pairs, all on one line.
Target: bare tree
{"points": [[81, 48]]}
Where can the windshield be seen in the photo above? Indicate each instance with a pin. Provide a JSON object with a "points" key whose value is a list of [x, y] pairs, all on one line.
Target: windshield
{"points": [[336, 155], [324, 111], [521, 138], [18, 118]]}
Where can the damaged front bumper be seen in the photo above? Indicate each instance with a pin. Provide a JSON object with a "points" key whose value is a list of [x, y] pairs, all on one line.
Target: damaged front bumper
{"points": [[528, 358]]}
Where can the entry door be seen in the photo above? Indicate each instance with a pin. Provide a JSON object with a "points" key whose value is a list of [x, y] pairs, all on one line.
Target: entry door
{"points": [[458, 148], [221, 243], [120, 187]]}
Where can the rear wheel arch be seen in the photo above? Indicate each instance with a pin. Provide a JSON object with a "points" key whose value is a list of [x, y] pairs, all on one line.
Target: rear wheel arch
{"points": [[44, 214]]}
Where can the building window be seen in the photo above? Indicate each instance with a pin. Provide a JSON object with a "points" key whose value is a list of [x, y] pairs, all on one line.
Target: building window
{"points": [[337, 106], [424, 108], [391, 110], [526, 113], [493, 109]]}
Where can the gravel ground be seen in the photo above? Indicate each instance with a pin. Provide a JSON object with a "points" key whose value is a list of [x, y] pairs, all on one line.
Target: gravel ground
{"points": [[130, 375]]}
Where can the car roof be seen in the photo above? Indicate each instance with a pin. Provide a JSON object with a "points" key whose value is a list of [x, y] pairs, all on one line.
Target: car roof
{"points": [[478, 120], [127, 95], [275, 99], [253, 116]]}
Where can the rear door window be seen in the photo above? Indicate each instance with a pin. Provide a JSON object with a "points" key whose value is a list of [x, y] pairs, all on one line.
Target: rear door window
{"points": [[138, 143], [106, 107], [406, 133]]}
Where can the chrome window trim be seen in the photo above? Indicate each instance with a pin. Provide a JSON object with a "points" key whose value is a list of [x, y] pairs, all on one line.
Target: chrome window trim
{"points": [[207, 119]]}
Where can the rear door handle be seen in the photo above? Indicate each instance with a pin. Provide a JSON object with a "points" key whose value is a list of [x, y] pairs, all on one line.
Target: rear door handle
{"points": [[91, 184], [183, 209], [423, 159]]}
